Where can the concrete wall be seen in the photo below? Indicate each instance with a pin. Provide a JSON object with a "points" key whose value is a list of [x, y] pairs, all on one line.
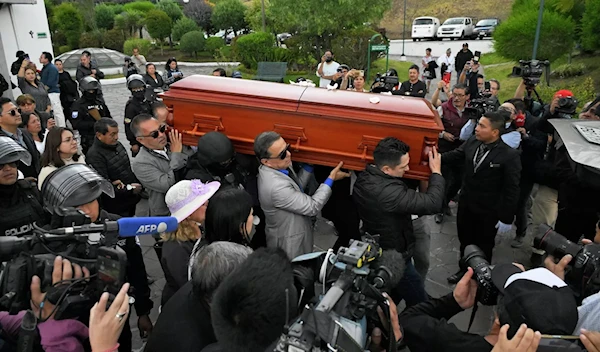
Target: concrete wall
{"points": [[22, 27]]}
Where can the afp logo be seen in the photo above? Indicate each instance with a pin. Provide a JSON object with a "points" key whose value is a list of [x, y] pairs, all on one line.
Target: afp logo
{"points": [[151, 229]]}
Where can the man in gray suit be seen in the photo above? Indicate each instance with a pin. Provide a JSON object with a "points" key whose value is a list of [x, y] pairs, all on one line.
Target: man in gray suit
{"points": [[288, 210]]}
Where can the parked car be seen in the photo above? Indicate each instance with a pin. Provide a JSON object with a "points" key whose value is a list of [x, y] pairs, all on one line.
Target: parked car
{"points": [[457, 28], [425, 28], [486, 27]]}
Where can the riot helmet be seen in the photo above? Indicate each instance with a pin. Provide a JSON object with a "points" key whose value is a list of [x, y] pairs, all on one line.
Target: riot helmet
{"points": [[72, 186], [89, 83], [135, 81], [11, 151], [214, 148]]}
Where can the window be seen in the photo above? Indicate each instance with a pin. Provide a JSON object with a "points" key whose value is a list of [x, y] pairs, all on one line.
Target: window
{"points": [[423, 21]]}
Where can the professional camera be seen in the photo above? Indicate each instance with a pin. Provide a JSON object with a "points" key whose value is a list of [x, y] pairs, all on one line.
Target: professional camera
{"points": [[487, 293], [531, 71], [583, 274], [567, 105], [348, 311], [479, 107], [385, 82]]}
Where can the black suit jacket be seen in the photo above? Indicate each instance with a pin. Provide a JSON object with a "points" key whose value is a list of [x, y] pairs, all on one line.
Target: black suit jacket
{"points": [[32, 170], [494, 187]]}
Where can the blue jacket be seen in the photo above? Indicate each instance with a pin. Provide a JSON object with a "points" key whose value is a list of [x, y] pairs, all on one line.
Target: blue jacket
{"points": [[50, 78]]}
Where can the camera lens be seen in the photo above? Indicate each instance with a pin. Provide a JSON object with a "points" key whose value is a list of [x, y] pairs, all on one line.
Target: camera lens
{"points": [[554, 243], [474, 257]]}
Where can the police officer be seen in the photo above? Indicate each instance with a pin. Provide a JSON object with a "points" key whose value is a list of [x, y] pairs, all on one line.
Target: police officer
{"points": [[137, 104], [87, 110], [79, 186], [20, 201]]}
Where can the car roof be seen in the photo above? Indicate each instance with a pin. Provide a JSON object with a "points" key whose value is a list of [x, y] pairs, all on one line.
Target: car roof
{"points": [[427, 17]]}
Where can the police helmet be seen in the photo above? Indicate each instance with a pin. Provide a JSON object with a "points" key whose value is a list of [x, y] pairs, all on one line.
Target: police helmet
{"points": [[11, 151], [135, 81], [89, 83], [72, 186]]}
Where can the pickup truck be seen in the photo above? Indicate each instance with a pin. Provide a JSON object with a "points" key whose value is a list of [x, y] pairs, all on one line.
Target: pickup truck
{"points": [[457, 28]]}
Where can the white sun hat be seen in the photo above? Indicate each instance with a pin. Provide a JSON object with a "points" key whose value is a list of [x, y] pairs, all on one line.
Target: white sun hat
{"points": [[184, 197]]}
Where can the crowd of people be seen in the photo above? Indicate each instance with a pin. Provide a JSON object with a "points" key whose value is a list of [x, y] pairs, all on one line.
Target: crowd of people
{"points": [[230, 284]]}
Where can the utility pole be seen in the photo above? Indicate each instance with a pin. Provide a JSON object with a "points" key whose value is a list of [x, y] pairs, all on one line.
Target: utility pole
{"points": [[264, 17], [403, 57], [537, 30]]}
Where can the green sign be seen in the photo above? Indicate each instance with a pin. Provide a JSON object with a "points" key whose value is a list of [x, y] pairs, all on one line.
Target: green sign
{"points": [[42, 35], [378, 47]]}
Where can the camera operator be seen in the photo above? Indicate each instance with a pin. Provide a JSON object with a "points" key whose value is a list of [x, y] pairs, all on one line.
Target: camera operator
{"points": [[184, 323], [473, 79], [413, 87], [490, 188], [510, 135], [535, 297], [129, 67], [55, 335], [338, 77], [79, 186], [385, 205], [20, 201], [136, 105]]}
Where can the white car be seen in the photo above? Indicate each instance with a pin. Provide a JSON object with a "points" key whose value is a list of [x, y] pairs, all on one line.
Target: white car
{"points": [[457, 28], [425, 28]]}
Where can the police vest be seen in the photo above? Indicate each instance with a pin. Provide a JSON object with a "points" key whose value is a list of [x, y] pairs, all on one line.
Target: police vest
{"points": [[18, 219]]}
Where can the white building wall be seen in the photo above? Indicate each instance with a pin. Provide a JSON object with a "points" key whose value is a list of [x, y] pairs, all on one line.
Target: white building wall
{"points": [[23, 27]]}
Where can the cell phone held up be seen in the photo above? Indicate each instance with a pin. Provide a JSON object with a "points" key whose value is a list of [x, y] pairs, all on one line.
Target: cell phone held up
{"points": [[446, 77], [111, 264], [476, 57]]}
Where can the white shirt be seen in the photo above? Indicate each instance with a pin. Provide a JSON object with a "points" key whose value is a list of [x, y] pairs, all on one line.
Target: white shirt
{"points": [[163, 152], [448, 61], [329, 69], [41, 146]]}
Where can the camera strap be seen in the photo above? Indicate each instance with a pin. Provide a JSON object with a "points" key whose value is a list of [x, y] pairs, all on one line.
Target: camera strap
{"points": [[29, 336], [472, 318]]}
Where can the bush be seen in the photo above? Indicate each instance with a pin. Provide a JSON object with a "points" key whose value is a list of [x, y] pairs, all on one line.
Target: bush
{"points": [[104, 16], [70, 22], [142, 6], [114, 39], [514, 37], [253, 48], [590, 40], [351, 47], [569, 70], [158, 24], [143, 44], [583, 90], [213, 44], [182, 26], [90, 40], [63, 49], [192, 42]]}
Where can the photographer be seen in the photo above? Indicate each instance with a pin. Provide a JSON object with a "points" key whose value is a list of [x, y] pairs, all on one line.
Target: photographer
{"points": [[413, 87], [342, 70], [129, 67], [79, 186], [510, 135], [525, 298], [385, 205]]}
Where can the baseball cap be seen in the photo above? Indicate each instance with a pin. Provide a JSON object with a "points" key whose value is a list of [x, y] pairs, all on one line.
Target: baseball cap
{"points": [[535, 297], [563, 93], [236, 74], [466, 44]]}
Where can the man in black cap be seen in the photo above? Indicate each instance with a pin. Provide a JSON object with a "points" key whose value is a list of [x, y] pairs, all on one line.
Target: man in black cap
{"points": [[463, 56], [20, 201], [79, 186], [536, 297]]}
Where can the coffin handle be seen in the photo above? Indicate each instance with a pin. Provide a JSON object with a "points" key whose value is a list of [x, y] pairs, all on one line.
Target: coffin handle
{"points": [[297, 145], [428, 145], [363, 156]]}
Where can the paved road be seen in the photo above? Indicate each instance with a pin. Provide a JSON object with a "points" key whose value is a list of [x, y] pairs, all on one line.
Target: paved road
{"points": [[443, 254], [438, 47]]}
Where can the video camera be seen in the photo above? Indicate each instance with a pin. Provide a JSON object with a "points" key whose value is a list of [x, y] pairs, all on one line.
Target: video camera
{"points": [[531, 71], [85, 244], [345, 314], [567, 106], [487, 293], [583, 274], [480, 106], [385, 82]]}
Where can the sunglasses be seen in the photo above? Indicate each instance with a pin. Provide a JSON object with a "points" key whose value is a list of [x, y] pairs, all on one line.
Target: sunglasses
{"points": [[14, 112], [155, 134], [283, 153]]}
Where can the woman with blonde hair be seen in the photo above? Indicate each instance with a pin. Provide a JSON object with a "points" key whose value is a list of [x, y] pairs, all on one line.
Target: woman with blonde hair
{"points": [[187, 200]]}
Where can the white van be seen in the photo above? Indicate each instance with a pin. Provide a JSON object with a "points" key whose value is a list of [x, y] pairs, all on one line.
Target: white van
{"points": [[457, 27], [425, 28]]}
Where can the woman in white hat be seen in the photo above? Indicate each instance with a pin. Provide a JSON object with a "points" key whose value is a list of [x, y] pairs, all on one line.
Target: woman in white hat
{"points": [[187, 201]]}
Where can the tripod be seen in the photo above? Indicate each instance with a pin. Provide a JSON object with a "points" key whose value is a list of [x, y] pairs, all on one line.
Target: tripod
{"points": [[529, 99]]}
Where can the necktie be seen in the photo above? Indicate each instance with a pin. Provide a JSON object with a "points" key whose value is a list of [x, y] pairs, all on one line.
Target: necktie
{"points": [[480, 153], [294, 177]]}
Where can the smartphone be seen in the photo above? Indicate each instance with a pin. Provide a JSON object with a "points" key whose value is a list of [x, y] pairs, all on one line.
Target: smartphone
{"points": [[111, 264], [487, 85], [26, 56], [446, 77], [476, 57]]}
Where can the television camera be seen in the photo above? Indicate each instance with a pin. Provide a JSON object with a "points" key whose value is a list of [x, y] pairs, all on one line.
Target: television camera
{"points": [[83, 243], [480, 106], [385, 82], [345, 314], [531, 72]]}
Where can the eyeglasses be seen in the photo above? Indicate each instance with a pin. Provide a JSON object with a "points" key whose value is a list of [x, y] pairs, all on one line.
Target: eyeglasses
{"points": [[14, 112], [459, 95], [283, 153], [155, 134], [11, 164]]}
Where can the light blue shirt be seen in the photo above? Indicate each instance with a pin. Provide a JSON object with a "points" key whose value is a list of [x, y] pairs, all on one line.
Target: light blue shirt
{"points": [[589, 314], [512, 139]]}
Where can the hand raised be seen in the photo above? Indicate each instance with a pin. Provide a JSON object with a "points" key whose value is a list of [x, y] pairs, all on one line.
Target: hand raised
{"points": [[176, 141]]}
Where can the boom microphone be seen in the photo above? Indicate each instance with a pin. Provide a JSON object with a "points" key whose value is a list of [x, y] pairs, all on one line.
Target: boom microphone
{"points": [[395, 264], [126, 227]]}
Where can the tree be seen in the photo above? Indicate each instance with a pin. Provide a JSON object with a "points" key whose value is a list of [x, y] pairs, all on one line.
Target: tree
{"points": [[104, 16], [130, 21], [142, 6], [590, 40], [182, 26], [192, 43], [514, 38], [86, 8], [229, 14], [159, 25], [69, 22], [200, 11], [171, 8]]}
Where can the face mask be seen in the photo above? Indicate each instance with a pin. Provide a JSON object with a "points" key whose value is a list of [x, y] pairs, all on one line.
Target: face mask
{"points": [[140, 95], [90, 95], [328, 59]]}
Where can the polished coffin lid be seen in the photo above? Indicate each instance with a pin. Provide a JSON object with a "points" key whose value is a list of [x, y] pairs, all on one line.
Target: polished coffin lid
{"points": [[323, 126]]}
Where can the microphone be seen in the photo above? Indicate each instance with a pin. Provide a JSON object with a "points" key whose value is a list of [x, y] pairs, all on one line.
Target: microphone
{"points": [[125, 227], [389, 268]]}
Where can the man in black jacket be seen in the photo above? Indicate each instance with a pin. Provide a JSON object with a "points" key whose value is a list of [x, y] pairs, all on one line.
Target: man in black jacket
{"points": [[68, 88], [109, 158], [10, 119], [136, 105], [385, 205], [87, 110], [79, 186], [463, 56], [490, 188], [184, 323]]}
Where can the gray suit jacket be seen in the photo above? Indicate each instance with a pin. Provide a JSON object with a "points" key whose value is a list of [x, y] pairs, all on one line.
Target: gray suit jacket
{"points": [[288, 211], [156, 174]]}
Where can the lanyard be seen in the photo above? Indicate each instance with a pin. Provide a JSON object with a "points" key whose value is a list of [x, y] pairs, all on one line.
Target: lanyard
{"points": [[477, 165]]}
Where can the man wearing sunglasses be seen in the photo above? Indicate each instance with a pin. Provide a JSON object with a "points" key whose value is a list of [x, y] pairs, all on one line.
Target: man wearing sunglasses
{"points": [[10, 119], [288, 210], [20, 201], [156, 165]]}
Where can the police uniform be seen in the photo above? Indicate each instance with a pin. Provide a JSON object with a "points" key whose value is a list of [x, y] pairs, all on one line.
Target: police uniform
{"points": [[133, 108], [85, 113], [21, 207]]}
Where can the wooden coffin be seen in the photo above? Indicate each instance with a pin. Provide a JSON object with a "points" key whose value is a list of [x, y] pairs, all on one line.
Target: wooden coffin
{"points": [[322, 126]]}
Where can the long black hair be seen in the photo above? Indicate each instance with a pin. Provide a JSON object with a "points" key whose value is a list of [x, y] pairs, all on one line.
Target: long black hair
{"points": [[26, 116], [168, 64], [226, 215]]}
